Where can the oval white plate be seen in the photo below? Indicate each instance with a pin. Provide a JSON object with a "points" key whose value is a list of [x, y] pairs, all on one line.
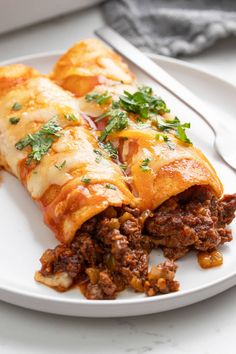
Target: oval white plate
{"points": [[24, 236]]}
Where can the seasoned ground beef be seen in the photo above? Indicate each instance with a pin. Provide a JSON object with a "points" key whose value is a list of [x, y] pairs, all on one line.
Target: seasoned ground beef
{"points": [[111, 250], [108, 254], [194, 219], [161, 279]]}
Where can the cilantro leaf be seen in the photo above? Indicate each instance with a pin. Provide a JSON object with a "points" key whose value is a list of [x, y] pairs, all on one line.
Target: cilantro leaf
{"points": [[181, 135], [167, 140], [98, 152], [176, 126], [110, 149], [115, 104], [144, 165], [110, 186], [40, 142], [98, 98], [71, 117], [51, 128], [123, 166], [60, 167], [99, 155], [16, 106], [14, 120], [117, 122], [142, 102], [85, 180], [40, 146]]}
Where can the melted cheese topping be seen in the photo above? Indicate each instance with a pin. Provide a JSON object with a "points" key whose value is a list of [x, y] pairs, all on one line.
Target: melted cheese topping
{"points": [[56, 182], [41, 100], [77, 147], [86, 64], [170, 172], [112, 70], [95, 110], [164, 162]]}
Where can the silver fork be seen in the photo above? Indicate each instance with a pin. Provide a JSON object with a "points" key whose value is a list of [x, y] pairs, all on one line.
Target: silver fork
{"points": [[225, 140]]}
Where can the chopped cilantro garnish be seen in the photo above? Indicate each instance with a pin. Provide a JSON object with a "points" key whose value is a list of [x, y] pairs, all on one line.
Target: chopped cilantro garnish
{"points": [[123, 166], [102, 116], [144, 165], [176, 126], [99, 155], [59, 167], [117, 122], [14, 120], [167, 140], [98, 98], [142, 102], [115, 104], [142, 125], [146, 89], [16, 106], [181, 135], [110, 186], [51, 128], [85, 180], [40, 142], [71, 117], [98, 152], [145, 105], [110, 149]]}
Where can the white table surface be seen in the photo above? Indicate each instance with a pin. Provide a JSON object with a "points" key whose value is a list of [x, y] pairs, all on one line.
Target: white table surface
{"points": [[204, 328]]}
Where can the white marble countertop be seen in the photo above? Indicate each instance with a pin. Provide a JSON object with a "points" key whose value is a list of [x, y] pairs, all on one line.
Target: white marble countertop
{"points": [[207, 327]]}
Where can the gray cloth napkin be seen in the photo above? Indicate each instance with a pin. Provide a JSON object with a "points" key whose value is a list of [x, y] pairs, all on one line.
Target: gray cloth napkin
{"points": [[172, 27]]}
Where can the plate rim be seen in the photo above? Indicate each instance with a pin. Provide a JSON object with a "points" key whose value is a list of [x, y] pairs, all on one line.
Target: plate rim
{"points": [[230, 279]]}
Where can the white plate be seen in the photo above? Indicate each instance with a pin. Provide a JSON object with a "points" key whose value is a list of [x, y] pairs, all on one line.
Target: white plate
{"points": [[24, 236]]}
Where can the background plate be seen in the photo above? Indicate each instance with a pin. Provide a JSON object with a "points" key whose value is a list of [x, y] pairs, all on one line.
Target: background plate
{"points": [[25, 237]]}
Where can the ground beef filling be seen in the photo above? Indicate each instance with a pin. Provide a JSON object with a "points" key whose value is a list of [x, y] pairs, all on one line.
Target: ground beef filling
{"points": [[111, 251], [194, 219], [108, 254]]}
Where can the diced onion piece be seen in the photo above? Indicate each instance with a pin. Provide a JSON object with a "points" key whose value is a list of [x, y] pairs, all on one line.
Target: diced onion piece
{"points": [[210, 259]]}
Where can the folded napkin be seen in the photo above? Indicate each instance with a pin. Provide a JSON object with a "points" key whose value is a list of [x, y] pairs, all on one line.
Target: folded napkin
{"points": [[172, 27]]}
